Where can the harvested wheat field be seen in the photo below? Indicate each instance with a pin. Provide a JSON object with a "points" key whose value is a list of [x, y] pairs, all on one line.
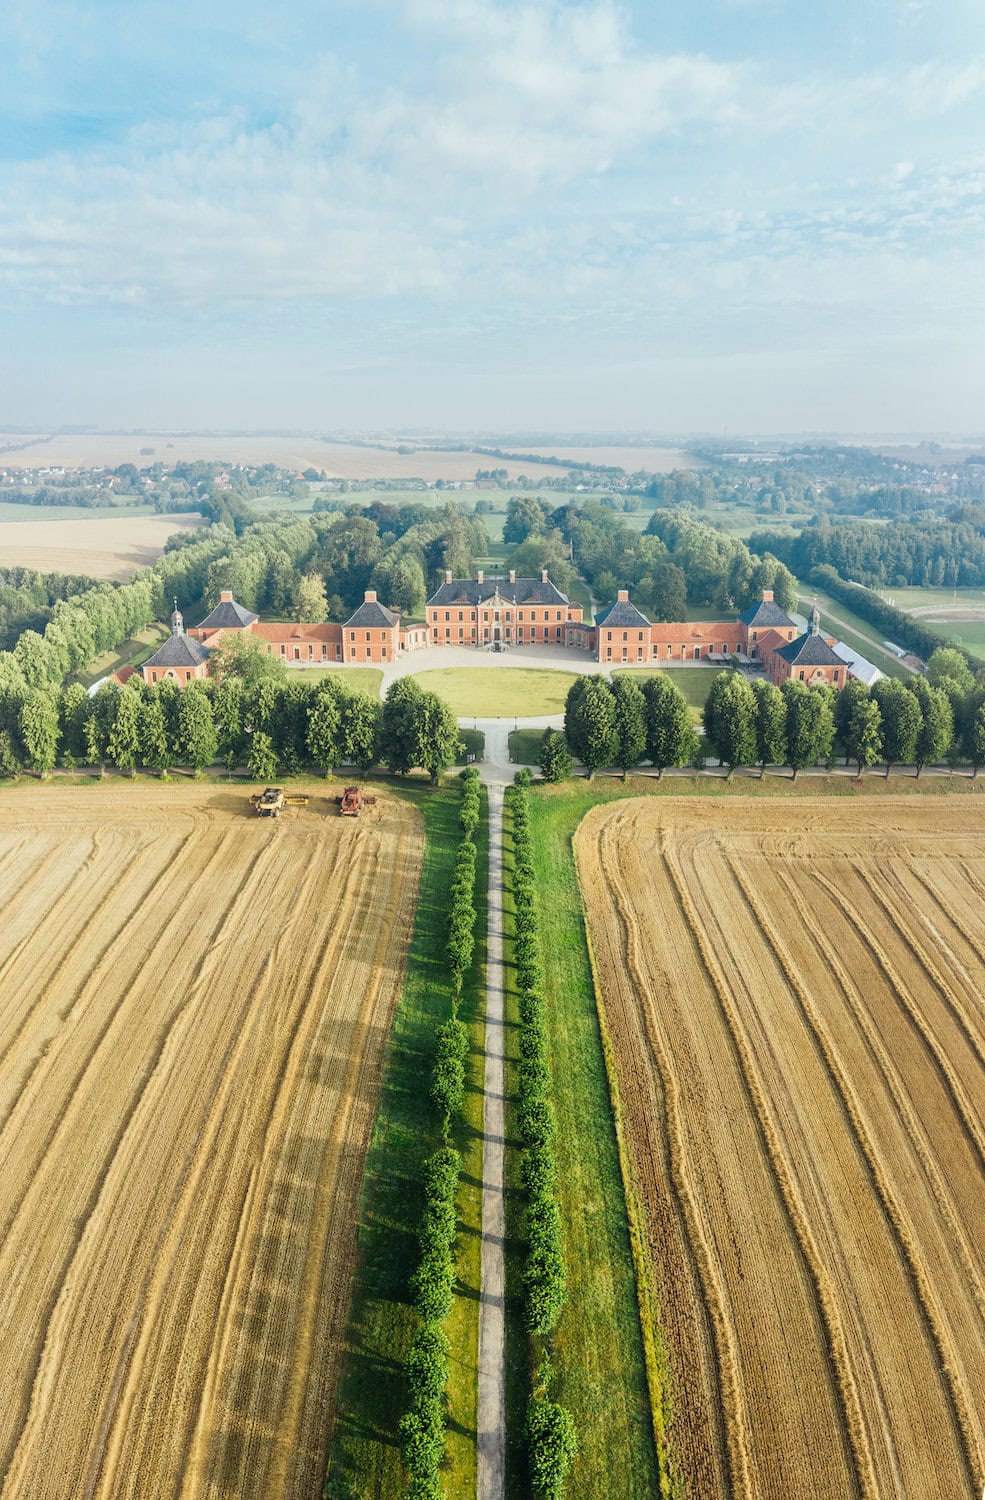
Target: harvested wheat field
{"points": [[794, 993], [194, 1004], [113, 548]]}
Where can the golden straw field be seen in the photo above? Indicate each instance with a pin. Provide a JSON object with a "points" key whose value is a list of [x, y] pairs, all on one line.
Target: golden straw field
{"points": [[794, 997], [194, 1004]]}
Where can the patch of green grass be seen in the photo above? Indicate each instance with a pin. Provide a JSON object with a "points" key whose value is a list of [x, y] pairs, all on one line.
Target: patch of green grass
{"points": [[600, 1372], [356, 679], [365, 1457], [498, 692], [130, 653], [916, 598]]}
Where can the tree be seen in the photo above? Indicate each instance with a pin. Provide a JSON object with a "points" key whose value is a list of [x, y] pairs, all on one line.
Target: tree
{"points": [[39, 731], [399, 729], [72, 712], [863, 736], [590, 723], [361, 717], [240, 654], [124, 737], [310, 603], [663, 590], [936, 732], [262, 759], [437, 734], [947, 664], [552, 1447], [851, 695], [771, 726], [555, 757], [730, 720], [975, 740], [99, 725], [630, 723], [325, 742], [671, 739], [228, 708], [524, 517], [152, 734], [810, 726], [901, 721], [198, 741]]}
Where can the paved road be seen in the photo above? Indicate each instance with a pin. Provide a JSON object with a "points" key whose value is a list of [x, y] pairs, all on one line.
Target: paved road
{"points": [[491, 1410]]}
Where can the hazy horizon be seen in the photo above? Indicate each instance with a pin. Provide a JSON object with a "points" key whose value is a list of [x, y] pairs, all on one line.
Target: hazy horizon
{"points": [[476, 216]]}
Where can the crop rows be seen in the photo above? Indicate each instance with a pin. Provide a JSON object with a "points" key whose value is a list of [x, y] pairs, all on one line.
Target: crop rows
{"points": [[794, 1000]]}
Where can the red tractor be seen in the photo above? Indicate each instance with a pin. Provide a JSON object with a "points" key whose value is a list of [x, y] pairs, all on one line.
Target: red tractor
{"points": [[353, 800]]}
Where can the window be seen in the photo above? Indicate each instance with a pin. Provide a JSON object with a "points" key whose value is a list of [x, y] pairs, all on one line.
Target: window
{"points": [[384, 653], [625, 635], [436, 632], [447, 615], [641, 635], [835, 676], [461, 617], [352, 635], [519, 614], [608, 653], [559, 614], [801, 676]]}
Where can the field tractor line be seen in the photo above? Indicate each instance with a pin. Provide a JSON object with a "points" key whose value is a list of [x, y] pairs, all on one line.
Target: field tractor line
{"points": [[93, 923], [132, 1357], [925, 1302], [331, 1187], [951, 1082], [85, 1216], [940, 944], [894, 1084], [953, 902], [854, 1420], [25, 904], [719, 1334], [952, 1001], [87, 986]]}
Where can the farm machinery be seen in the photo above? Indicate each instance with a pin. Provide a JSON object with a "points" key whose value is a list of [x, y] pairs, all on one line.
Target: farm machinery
{"points": [[353, 800], [270, 803]]}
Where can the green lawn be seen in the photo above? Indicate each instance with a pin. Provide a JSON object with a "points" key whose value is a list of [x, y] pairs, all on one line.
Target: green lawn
{"points": [[967, 633], [498, 692], [365, 1459], [598, 1356], [131, 653], [357, 679]]}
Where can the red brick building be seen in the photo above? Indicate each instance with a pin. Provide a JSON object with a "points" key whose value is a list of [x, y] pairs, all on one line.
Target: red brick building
{"points": [[181, 659], [810, 659], [508, 611]]}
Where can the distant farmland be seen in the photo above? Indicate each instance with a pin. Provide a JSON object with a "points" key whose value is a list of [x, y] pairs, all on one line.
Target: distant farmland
{"points": [[194, 1005], [99, 548], [794, 998]]}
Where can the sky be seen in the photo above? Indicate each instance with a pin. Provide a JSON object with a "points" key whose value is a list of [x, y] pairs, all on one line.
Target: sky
{"points": [[742, 215]]}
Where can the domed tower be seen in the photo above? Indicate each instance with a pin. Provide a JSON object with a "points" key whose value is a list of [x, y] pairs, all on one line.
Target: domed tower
{"points": [[177, 621], [815, 620]]}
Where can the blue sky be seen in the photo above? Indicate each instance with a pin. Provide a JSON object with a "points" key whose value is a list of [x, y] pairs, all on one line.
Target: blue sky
{"points": [[758, 214]]}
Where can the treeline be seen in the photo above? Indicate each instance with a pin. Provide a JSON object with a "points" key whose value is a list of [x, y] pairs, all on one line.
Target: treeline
{"points": [[83, 624], [273, 723], [27, 598], [621, 723], [422, 1426], [916, 721], [551, 1443], [932, 553]]}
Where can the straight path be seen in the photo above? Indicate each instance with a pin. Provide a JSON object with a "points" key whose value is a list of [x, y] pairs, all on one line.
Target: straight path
{"points": [[491, 1409], [869, 640]]}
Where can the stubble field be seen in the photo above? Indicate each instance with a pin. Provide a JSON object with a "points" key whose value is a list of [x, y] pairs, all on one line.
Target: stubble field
{"points": [[97, 548], [194, 1005], [794, 999]]}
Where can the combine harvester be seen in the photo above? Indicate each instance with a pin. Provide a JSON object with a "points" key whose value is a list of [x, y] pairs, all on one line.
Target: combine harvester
{"points": [[270, 803], [352, 802]]}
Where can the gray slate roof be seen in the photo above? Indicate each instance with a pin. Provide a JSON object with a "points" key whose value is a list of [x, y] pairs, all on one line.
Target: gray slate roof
{"points": [[227, 615], [809, 651], [471, 592], [373, 615], [179, 651], [621, 614], [765, 613]]}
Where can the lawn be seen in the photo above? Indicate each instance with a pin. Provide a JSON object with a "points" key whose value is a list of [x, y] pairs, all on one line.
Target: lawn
{"points": [[498, 692], [356, 679], [365, 1458], [130, 653]]}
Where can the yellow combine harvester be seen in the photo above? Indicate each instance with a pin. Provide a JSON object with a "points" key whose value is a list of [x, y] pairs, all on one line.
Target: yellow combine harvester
{"points": [[270, 803]]}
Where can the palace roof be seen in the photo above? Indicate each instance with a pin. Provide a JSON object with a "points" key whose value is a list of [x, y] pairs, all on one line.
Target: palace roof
{"points": [[374, 616], [765, 612], [227, 615], [179, 651], [622, 613], [809, 651], [471, 592]]}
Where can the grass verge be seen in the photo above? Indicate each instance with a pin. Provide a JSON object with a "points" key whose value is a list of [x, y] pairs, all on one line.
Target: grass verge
{"points": [[365, 1457]]}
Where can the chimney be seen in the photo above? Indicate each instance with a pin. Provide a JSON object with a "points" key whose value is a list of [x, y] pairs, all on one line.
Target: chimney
{"points": [[543, 575], [622, 596], [369, 597], [448, 575], [480, 577], [767, 596], [513, 575], [226, 597]]}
